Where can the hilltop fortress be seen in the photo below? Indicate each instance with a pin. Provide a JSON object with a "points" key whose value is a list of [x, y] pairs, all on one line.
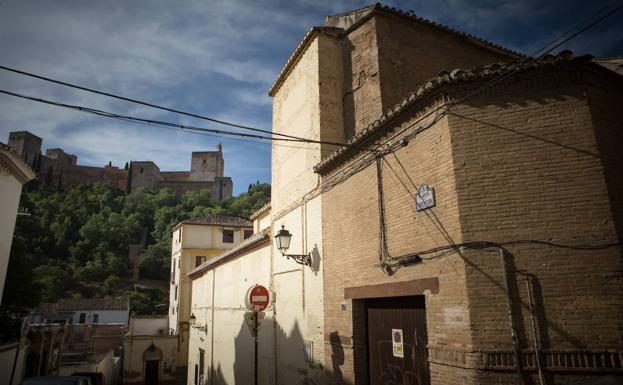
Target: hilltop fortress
{"points": [[58, 168]]}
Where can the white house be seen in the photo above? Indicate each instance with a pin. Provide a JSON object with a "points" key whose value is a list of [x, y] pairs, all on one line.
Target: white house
{"points": [[14, 172]]}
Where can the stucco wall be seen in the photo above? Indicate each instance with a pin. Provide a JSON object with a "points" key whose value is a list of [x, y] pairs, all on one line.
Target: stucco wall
{"points": [[133, 358], [10, 190], [104, 316], [148, 325], [219, 303]]}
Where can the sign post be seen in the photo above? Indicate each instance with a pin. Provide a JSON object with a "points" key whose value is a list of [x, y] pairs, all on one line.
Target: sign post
{"points": [[257, 300]]}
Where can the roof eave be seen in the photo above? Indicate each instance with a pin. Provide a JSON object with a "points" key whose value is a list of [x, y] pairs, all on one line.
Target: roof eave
{"points": [[299, 51]]}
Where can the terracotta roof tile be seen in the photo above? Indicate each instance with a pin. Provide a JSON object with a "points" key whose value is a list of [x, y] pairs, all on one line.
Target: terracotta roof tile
{"points": [[92, 304], [219, 220], [339, 32]]}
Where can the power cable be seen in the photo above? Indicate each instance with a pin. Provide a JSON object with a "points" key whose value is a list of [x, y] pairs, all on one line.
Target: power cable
{"points": [[227, 138], [153, 121], [203, 117]]}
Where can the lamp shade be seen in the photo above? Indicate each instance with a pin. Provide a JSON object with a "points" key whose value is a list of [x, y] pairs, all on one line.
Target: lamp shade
{"points": [[192, 319], [283, 239]]}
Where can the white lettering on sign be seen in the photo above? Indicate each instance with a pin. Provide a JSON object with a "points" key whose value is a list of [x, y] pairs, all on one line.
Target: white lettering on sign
{"points": [[397, 343], [259, 298], [425, 198]]}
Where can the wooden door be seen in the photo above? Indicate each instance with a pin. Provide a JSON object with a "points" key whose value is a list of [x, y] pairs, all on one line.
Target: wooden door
{"points": [[397, 341], [151, 372]]}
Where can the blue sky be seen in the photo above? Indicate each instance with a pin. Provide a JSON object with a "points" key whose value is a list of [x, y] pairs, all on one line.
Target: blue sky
{"points": [[216, 58]]}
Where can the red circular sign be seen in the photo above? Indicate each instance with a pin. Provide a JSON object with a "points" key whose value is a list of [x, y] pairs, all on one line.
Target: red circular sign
{"points": [[258, 298]]}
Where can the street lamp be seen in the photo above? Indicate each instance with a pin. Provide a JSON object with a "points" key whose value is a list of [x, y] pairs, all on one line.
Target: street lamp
{"points": [[192, 321], [282, 239]]}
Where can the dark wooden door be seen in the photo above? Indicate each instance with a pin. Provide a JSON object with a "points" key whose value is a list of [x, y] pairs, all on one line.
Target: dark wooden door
{"points": [[151, 372], [397, 341]]}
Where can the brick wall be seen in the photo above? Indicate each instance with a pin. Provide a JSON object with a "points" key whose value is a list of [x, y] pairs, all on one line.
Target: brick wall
{"points": [[525, 164], [362, 90], [388, 56], [351, 230], [411, 53], [528, 166]]}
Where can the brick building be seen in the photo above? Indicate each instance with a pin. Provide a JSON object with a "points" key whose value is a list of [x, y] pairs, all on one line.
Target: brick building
{"points": [[520, 224]]}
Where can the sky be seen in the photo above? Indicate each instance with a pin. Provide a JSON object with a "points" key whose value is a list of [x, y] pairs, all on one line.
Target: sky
{"points": [[214, 58]]}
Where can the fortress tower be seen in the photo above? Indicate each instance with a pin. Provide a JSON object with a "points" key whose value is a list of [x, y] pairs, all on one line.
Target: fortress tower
{"points": [[27, 145]]}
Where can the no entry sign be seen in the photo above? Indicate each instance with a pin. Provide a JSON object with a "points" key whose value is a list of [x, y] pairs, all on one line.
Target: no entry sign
{"points": [[258, 298]]}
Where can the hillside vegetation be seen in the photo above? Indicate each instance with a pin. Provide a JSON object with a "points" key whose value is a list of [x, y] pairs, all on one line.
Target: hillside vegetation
{"points": [[75, 241]]}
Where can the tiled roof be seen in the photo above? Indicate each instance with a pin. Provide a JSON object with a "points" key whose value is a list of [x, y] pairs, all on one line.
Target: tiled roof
{"points": [[251, 242], [92, 304], [444, 78], [412, 16], [219, 220], [260, 211], [371, 10]]}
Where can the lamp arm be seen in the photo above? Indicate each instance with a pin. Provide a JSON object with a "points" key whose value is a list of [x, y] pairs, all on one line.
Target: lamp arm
{"points": [[301, 259]]}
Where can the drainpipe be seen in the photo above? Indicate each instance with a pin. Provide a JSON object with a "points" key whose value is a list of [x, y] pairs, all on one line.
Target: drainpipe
{"points": [[509, 304], [535, 342]]}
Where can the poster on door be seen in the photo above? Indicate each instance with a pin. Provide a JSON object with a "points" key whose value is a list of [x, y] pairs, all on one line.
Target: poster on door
{"points": [[397, 343]]}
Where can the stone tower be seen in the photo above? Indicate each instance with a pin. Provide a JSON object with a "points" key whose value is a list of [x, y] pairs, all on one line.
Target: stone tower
{"points": [[206, 166], [27, 145]]}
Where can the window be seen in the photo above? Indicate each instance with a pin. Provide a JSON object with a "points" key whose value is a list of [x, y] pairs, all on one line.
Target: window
{"points": [[96, 318], [172, 271], [141, 170], [176, 292], [83, 318], [248, 233], [199, 259], [228, 236]]}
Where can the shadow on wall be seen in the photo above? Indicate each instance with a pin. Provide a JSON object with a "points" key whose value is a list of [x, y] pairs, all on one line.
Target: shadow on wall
{"points": [[289, 362], [315, 259]]}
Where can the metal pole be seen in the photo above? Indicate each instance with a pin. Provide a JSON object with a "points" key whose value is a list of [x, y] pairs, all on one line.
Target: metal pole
{"points": [[533, 322], [255, 348], [509, 304]]}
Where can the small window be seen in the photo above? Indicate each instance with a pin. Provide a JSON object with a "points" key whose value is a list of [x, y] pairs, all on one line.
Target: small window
{"points": [[228, 236], [179, 263], [176, 293], [199, 259], [96, 318], [248, 233], [83, 318], [141, 170]]}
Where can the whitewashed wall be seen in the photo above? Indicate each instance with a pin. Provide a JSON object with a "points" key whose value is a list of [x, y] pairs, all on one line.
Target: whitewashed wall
{"points": [[10, 190]]}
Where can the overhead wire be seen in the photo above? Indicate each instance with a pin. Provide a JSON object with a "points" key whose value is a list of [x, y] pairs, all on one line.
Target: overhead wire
{"points": [[154, 121], [147, 104]]}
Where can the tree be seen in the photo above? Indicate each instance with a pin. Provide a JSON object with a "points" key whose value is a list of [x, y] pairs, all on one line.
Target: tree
{"points": [[76, 240]]}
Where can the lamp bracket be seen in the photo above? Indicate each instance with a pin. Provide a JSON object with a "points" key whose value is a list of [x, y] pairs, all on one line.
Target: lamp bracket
{"points": [[301, 259]]}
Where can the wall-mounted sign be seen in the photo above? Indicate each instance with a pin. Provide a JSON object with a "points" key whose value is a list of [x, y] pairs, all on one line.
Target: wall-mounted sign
{"points": [[425, 198], [397, 343]]}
